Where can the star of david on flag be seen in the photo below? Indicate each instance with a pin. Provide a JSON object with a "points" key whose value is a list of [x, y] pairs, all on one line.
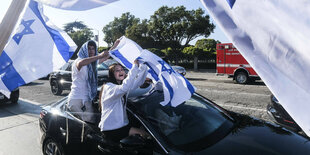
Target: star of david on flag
{"points": [[231, 3], [27, 30], [35, 49], [176, 87], [166, 67]]}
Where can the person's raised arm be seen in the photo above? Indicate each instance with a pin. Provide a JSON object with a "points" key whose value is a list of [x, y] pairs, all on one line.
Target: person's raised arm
{"points": [[106, 53], [140, 79], [83, 62]]}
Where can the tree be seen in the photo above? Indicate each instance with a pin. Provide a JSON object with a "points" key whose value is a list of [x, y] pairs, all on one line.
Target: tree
{"points": [[158, 52], [174, 26], [139, 33], [209, 45], [193, 52], [79, 33], [118, 27], [209, 48], [71, 27]]}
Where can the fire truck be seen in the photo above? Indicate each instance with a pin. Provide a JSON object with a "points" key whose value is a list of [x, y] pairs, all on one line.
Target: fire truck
{"points": [[230, 62]]}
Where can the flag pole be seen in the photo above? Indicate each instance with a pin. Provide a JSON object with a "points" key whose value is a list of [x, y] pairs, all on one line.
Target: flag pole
{"points": [[9, 21]]}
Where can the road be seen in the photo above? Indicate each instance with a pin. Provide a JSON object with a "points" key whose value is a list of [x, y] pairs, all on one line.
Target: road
{"points": [[19, 130]]}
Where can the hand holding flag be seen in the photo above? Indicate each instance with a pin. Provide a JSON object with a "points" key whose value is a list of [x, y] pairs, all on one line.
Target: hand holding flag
{"points": [[177, 89]]}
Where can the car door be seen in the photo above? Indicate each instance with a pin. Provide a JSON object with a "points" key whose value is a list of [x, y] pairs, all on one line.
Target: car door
{"points": [[73, 131]]}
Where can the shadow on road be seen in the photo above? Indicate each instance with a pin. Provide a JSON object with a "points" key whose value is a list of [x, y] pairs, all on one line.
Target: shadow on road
{"points": [[257, 83], [33, 84], [196, 79], [22, 107]]}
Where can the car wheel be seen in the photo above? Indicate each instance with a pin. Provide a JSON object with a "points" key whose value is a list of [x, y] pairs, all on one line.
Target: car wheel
{"points": [[56, 88], [241, 78], [50, 147]]}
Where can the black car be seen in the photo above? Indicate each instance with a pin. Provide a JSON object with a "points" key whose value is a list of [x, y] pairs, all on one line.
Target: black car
{"points": [[197, 126], [279, 115], [61, 79], [13, 97]]}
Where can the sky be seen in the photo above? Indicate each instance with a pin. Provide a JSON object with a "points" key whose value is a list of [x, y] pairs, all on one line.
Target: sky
{"points": [[97, 18]]}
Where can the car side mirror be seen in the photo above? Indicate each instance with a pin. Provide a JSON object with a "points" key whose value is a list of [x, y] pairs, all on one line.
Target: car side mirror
{"points": [[133, 141]]}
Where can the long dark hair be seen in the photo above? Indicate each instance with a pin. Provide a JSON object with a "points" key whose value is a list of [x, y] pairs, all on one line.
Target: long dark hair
{"points": [[111, 78]]}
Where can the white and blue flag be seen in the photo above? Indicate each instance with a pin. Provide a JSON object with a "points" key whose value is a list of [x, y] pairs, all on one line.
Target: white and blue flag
{"points": [[34, 50], [177, 89], [273, 36], [76, 5]]}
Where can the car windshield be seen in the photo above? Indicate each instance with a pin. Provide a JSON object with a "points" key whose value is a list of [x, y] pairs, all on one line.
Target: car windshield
{"points": [[186, 124]]}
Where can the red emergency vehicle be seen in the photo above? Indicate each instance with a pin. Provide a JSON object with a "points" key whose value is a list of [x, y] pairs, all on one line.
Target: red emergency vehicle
{"points": [[230, 62]]}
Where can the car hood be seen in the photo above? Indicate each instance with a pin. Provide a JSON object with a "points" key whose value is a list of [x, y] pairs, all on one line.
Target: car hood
{"points": [[253, 136]]}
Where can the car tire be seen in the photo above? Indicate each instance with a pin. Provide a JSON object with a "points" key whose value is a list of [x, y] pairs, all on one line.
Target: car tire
{"points": [[241, 78], [52, 147], [55, 87]]}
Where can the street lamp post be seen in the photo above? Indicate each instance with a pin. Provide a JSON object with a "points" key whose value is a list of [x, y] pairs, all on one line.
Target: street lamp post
{"points": [[97, 38]]}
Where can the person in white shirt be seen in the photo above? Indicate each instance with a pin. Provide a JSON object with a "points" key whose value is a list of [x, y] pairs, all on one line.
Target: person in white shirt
{"points": [[114, 121], [84, 80]]}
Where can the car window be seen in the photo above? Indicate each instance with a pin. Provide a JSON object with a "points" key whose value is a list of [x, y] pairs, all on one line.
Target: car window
{"points": [[64, 67], [180, 125], [102, 67], [69, 67]]}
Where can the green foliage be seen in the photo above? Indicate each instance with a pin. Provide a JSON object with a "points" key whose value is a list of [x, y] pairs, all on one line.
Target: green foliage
{"points": [[158, 52], [81, 36], [193, 51], [79, 33], [169, 29], [208, 45], [139, 33], [101, 49], [173, 25], [118, 27], [176, 27], [71, 27]]}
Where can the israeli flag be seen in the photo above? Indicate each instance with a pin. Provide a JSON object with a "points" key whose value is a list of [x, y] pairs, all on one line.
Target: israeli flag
{"points": [[76, 5], [34, 50], [273, 36], [177, 89]]}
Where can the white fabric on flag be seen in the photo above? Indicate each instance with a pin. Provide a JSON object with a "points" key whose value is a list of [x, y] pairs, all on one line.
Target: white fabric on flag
{"points": [[34, 50], [76, 5], [273, 36], [177, 89]]}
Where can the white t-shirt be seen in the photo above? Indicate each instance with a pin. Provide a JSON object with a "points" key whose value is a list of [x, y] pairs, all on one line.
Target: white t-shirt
{"points": [[79, 87], [113, 113]]}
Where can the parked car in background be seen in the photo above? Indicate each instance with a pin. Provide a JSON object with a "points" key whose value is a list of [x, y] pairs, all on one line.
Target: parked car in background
{"points": [[13, 97], [280, 116], [179, 69], [197, 126], [61, 79], [109, 62]]}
